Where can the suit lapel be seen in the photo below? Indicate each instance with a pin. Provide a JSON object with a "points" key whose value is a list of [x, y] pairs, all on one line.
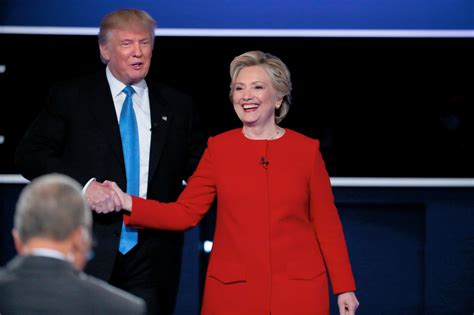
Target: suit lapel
{"points": [[102, 107], [161, 118]]}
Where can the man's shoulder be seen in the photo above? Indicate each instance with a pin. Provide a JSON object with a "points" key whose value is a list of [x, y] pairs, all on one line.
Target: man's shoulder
{"points": [[5, 276], [112, 298], [167, 93], [164, 87], [84, 80], [76, 292]]}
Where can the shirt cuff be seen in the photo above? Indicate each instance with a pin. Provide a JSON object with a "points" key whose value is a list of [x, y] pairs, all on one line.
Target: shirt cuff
{"points": [[87, 185]]}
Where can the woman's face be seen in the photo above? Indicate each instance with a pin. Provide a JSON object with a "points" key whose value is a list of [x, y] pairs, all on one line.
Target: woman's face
{"points": [[254, 97]]}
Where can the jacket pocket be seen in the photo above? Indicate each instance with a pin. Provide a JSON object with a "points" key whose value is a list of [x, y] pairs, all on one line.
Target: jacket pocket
{"points": [[228, 273], [304, 270]]}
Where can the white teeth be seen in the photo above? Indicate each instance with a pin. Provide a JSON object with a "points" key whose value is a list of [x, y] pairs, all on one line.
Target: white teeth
{"points": [[250, 106]]}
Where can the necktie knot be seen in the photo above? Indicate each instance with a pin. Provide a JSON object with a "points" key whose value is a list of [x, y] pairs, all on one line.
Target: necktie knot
{"points": [[128, 90]]}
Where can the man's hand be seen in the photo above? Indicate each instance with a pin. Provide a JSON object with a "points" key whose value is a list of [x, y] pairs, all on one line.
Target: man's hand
{"points": [[125, 199], [102, 198]]}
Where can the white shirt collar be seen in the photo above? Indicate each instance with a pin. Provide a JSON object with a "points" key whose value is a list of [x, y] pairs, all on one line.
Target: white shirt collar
{"points": [[116, 86], [47, 252]]}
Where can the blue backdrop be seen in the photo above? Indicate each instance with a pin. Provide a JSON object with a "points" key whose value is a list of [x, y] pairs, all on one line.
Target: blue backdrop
{"points": [[253, 14]]}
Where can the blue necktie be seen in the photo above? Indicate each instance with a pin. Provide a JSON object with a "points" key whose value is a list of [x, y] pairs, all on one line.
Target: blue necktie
{"points": [[131, 154]]}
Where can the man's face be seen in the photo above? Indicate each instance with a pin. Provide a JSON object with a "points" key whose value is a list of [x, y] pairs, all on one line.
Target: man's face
{"points": [[128, 54]]}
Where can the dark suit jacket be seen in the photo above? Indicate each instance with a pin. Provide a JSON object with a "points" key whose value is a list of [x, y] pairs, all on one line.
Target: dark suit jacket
{"points": [[42, 285], [78, 134]]}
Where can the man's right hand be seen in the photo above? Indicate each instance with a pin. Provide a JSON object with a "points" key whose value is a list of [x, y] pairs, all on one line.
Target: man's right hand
{"points": [[102, 199]]}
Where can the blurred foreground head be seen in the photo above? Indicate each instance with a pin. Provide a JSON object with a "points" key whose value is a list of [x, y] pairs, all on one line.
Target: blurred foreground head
{"points": [[52, 213]]}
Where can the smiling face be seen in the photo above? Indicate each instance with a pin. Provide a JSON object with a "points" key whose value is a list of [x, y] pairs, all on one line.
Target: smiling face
{"points": [[128, 54], [255, 98]]}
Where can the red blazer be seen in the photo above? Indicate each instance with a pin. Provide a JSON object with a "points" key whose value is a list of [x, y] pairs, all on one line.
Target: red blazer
{"points": [[278, 231]]}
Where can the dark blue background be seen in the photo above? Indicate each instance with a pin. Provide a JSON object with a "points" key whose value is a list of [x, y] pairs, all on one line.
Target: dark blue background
{"points": [[253, 14]]}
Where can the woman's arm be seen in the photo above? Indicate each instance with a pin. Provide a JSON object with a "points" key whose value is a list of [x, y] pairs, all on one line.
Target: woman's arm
{"points": [[328, 228], [186, 212]]}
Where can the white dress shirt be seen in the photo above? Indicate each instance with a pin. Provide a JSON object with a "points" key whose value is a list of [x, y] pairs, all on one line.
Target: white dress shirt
{"points": [[141, 106]]}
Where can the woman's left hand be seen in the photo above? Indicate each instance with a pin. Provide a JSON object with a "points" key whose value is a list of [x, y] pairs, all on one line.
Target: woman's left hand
{"points": [[348, 303]]}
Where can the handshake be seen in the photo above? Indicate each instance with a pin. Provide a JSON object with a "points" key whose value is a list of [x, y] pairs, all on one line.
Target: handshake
{"points": [[107, 197]]}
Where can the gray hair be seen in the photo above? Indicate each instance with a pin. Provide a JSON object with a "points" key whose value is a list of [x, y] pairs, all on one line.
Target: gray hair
{"points": [[52, 207], [276, 69], [131, 19]]}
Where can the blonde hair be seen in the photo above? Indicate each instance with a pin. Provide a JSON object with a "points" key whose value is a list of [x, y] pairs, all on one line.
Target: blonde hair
{"points": [[133, 19], [276, 69]]}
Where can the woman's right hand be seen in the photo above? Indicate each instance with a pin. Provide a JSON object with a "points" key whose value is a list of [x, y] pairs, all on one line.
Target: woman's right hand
{"points": [[102, 199], [125, 199]]}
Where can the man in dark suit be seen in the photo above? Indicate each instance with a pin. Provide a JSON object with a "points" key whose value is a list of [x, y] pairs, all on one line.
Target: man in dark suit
{"points": [[85, 132], [52, 236]]}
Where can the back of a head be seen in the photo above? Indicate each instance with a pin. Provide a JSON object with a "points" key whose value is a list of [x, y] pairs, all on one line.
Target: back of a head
{"points": [[51, 207]]}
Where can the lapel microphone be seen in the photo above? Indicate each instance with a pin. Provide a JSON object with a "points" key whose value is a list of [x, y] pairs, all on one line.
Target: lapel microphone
{"points": [[264, 162]]}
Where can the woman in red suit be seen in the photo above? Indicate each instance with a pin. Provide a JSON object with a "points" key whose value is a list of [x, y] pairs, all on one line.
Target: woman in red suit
{"points": [[278, 233]]}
